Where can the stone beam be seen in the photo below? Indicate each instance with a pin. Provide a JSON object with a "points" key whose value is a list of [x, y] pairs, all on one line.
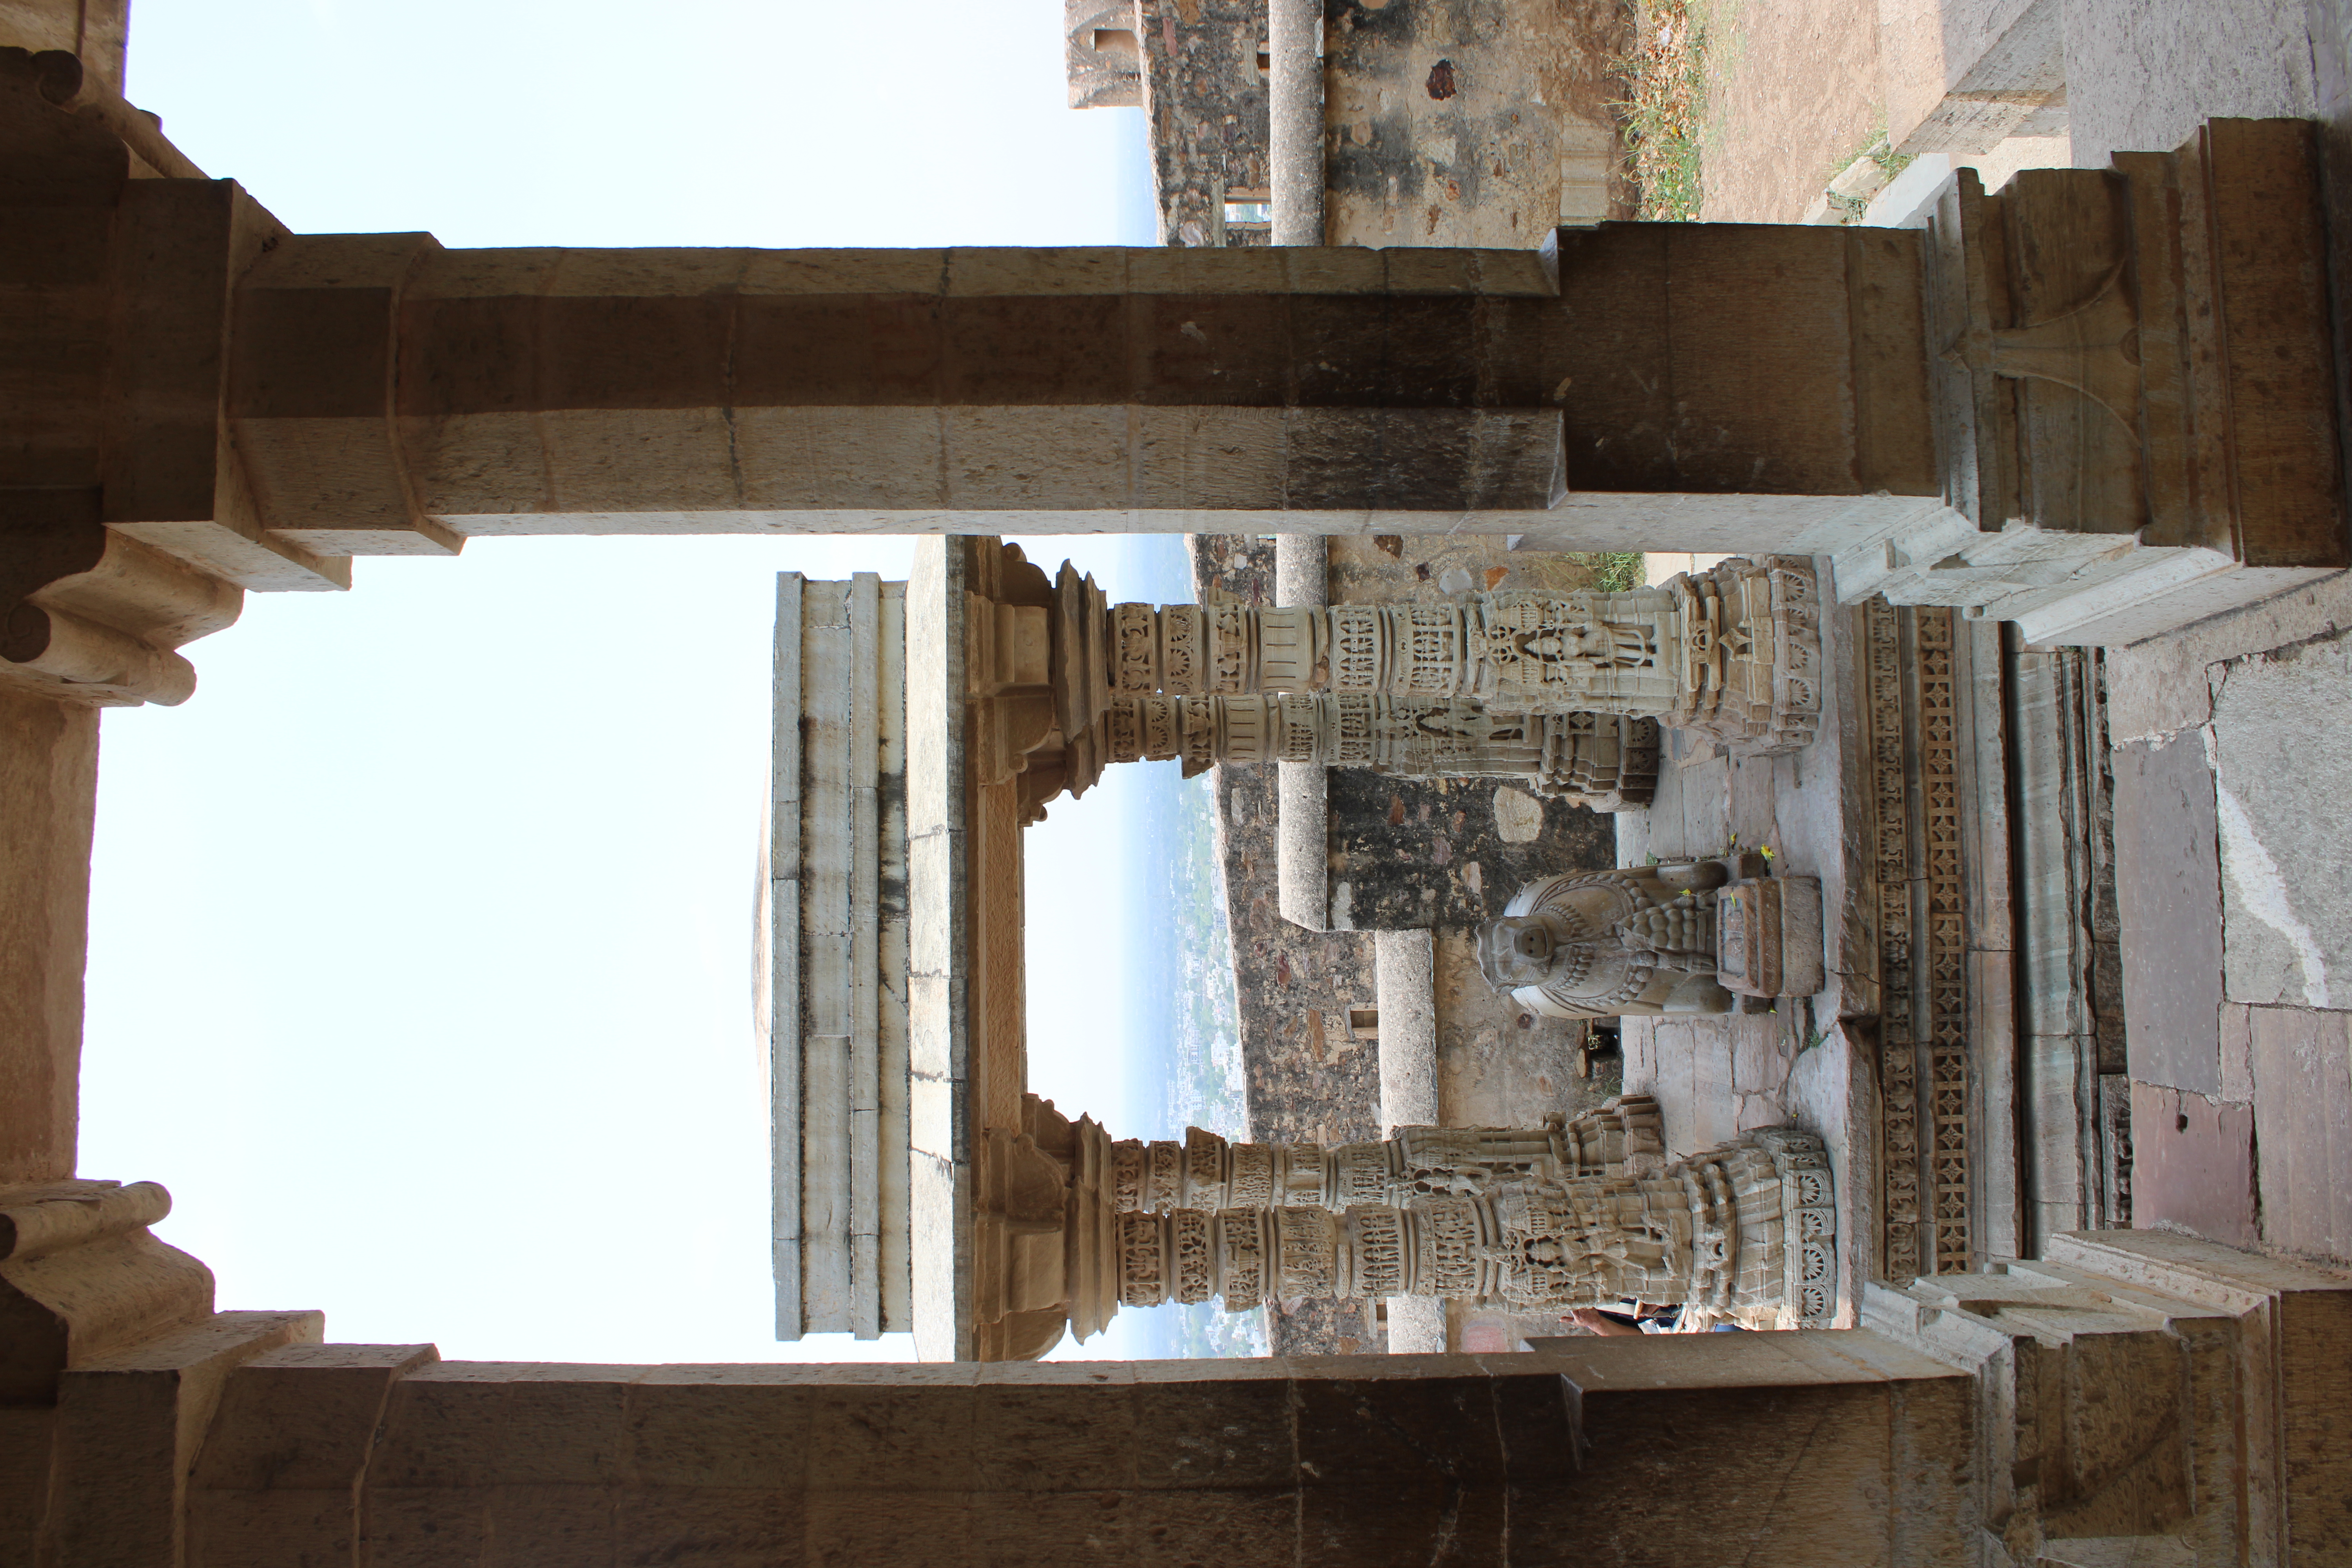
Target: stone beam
{"points": [[2133, 1393], [1514, 1459]]}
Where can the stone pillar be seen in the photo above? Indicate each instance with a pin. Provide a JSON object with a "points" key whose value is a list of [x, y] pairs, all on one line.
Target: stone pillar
{"points": [[1734, 653], [1302, 576], [1745, 1233], [386, 1454], [48, 777], [1293, 31], [1404, 976], [2134, 1396], [1608, 762], [1207, 1172]]}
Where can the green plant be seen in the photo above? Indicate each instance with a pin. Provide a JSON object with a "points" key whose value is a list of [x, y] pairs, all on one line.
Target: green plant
{"points": [[1616, 571], [1665, 102]]}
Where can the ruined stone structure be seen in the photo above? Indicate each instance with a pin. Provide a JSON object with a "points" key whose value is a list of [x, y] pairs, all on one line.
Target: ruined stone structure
{"points": [[1656, 939], [221, 405], [1605, 762], [1356, 129], [1744, 1233], [1734, 654]]}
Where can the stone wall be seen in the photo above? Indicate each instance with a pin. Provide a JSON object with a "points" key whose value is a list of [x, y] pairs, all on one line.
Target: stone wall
{"points": [[1206, 101], [1309, 1077], [1479, 122]]}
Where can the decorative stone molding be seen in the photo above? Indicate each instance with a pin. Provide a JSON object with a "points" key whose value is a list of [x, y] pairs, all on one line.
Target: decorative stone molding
{"points": [[1924, 1094]]}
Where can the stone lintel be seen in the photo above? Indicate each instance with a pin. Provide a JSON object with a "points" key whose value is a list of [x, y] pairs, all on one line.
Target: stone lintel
{"points": [[1840, 1442], [837, 943]]}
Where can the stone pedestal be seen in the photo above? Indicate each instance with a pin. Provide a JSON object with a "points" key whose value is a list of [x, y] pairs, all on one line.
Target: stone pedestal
{"points": [[2144, 1396], [1768, 934]]}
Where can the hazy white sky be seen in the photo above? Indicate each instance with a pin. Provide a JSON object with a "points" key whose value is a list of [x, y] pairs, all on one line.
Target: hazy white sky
{"points": [[420, 936]]}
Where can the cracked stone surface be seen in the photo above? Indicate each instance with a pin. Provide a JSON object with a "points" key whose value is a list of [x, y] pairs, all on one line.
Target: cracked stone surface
{"points": [[2281, 754]]}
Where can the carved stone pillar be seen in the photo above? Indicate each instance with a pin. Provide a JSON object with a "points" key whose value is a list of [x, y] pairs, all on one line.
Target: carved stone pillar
{"points": [[1734, 653], [1608, 760], [1206, 1172], [1745, 1233]]}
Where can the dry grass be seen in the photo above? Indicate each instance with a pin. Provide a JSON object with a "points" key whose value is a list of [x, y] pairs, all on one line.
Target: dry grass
{"points": [[1664, 105]]}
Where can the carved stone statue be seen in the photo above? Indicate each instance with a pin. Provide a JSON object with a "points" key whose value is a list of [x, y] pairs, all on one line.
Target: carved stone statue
{"points": [[1649, 940], [1597, 943], [1734, 652], [1608, 762]]}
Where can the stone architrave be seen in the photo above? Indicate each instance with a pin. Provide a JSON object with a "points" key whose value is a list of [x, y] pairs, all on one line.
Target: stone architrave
{"points": [[1208, 1171], [1604, 761], [1745, 1233], [1733, 653], [1648, 939]]}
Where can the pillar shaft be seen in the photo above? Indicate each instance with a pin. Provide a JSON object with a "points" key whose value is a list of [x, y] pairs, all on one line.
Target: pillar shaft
{"points": [[1208, 1171], [48, 777], [1734, 652], [1746, 1232], [1609, 760]]}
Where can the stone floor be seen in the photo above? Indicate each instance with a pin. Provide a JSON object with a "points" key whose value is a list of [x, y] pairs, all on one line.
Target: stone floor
{"points": [[1717, 1077]]}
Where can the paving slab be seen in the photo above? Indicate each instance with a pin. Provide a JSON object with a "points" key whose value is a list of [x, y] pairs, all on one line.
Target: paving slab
{"points": [[2302, 1069], [2168, 896], [2193, 1164], [2283, 765]]}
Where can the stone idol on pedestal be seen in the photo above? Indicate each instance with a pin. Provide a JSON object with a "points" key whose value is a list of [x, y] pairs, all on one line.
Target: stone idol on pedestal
{"points": [[1695, 937]]}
